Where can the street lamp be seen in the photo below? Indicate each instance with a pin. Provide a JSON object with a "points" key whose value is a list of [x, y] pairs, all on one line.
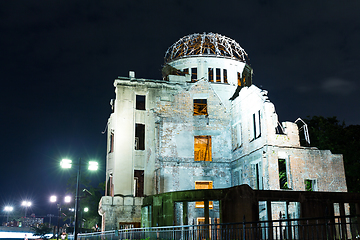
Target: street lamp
{"points": [[85, 210], [8, 209], [26, 204], [53, 198], [71, 210], [67, 163]]}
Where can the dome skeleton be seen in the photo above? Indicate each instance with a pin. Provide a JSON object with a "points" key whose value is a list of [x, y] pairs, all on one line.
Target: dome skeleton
{"points": [[205, 44]]}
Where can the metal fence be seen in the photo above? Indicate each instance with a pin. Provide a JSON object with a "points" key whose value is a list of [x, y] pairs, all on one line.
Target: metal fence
{"points": [[343, 227]]}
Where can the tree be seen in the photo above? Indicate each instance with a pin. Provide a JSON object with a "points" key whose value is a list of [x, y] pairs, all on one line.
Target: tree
{"points": [[329, 134], [89, 198], [41, 230]]}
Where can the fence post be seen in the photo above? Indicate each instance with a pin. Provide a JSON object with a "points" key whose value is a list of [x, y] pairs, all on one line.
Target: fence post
{"points": [[244, 226], [269, 219], [280, 226]]}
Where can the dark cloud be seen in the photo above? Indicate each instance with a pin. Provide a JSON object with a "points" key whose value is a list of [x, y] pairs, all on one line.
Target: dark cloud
{"points": [[338, 86]]}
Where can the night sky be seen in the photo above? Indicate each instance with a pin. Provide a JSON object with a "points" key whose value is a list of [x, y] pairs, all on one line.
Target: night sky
{"points": [[58, 61]]}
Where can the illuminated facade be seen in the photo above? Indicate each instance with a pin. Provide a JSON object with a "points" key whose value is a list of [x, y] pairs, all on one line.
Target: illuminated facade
{"points": [[204, 125]]}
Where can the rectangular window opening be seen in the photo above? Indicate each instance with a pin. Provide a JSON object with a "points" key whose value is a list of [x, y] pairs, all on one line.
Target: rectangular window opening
{"points": [[225, 75], [186, 70], [256, 125], [109, 191], [138, 183], [139, 136], [237, 178], [193, 74], [283, 180], [111, 143], [256, 176], [236, 136], [211, 74], [200, 107], [218, 76], [239, 79], [140, 102], [202, 148], [310, 185], [204, 185]]}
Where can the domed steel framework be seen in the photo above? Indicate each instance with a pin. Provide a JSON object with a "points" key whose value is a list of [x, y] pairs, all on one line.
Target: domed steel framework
{"points": [[205, 44]]}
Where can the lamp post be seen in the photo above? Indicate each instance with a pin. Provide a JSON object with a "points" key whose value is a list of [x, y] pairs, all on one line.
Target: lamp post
{"points": [[53, 198], [50, 215], [26, 204], [66, 163], [8, 209], [86, 209], [71, 210]]}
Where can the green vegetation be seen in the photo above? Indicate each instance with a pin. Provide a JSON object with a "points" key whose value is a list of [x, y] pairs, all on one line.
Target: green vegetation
{"points": [[89, 198], [308, 185], [282, 174]]}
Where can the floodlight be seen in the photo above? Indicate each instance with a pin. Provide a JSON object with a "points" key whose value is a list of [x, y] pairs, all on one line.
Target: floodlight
{"points": [[93, 165], [8, 208], [26, 204], [53, 199], [67, 199], [86, 209], [66, 163]]}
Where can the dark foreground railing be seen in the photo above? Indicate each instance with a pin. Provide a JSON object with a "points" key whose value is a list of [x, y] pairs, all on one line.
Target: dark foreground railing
{"points": [[343, 227]]}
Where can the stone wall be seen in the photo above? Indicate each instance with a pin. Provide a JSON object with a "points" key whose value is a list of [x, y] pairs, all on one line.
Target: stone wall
{"points": [[119, 210]]}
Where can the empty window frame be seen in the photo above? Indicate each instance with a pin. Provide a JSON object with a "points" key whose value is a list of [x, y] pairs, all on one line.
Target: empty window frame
{"points": [[202, 148], [225, 75], [139, 136], [203, 185], [186, 70], [140, 102], [138, 183], [200, 107], [246, 79], [256, 176], [211, 74], [237, 177], [310, 185], [283, 174], [193, 74], [109, 191], [256, 125], [239, 79], [218, 75], [236, 136], [111, 143]]}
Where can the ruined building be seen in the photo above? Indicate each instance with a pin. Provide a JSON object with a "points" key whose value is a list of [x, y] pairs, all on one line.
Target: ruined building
{"points": [[204, 125]]}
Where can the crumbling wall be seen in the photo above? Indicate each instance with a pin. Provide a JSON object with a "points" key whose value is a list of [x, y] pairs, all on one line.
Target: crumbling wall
{"points": [[307, 163], [177, 129]]}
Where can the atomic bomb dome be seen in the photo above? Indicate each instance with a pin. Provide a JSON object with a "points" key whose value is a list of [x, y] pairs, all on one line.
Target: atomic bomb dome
{"points": [[212, 44], [177, 146]]}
